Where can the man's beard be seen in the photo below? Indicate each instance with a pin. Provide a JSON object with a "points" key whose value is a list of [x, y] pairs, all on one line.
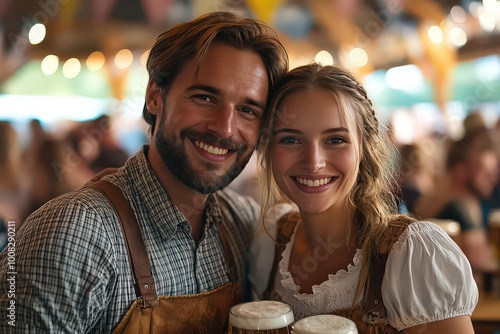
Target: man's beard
{"points": [[207, 180]]}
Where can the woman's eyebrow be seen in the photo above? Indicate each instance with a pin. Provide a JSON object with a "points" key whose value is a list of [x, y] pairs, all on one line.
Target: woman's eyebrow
{"points": [[295, 131]]}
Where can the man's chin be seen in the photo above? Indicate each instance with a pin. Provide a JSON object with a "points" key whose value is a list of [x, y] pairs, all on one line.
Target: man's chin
{"points": [[210, 182]]}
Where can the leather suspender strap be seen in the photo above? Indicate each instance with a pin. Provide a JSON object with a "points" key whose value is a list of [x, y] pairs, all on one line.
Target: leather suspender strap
{"points": [[374, 312], [141, 267], [373, 309]]}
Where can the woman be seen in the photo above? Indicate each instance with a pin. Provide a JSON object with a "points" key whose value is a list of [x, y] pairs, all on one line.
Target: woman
{"points": [[346, 252]]}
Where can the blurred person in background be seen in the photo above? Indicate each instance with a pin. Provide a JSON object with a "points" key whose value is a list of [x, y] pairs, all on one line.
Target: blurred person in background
{"points": [[13, 177], [111, 153], [37, 135], [55, 169], [96, 142], [418, 172], [472, 171]]}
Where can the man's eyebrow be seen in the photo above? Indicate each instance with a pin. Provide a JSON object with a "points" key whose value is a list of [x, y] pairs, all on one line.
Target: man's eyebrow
{"points": [[216, 91], [210, 89]]}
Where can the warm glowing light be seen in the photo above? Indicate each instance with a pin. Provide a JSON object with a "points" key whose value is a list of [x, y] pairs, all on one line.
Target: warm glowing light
{"points": [[49, 64], [457, 36], [408, 78], [124, 58], [458, 14], [144, 58], [435, 35], [37, 33], [71, 68], [476, 8], [404, 127], [359, 57], [487, 21], [324, 57], [95, 61], [491, 6]]}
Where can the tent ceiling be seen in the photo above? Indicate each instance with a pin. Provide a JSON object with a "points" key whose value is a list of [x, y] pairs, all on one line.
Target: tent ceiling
{"points": [[75, 28]]}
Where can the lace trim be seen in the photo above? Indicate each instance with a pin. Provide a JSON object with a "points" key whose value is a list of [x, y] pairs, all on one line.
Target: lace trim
{"points": [[335, 293]]}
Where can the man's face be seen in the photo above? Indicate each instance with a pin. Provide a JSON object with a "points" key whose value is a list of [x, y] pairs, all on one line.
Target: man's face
{"points": [[483, 173], [209, 124]]}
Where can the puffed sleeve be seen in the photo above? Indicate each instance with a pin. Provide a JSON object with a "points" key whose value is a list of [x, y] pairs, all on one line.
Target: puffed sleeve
{"points": [[262, 249], [427, 278]]}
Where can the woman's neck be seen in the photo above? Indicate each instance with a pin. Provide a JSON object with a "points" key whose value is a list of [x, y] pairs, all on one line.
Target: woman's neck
{"points": [[335, 223]]}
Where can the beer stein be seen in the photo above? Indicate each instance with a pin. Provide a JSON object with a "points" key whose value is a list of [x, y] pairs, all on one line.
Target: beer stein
{"points": [[262, 317], [325, 324]]}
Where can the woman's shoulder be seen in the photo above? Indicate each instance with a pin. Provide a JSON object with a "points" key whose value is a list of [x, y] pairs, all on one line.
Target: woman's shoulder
{"points": [[426, 231], [425, 262]]}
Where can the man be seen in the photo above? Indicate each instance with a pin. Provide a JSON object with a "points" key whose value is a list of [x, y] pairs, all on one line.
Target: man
{"points": [[210, 80], [472, 171]]}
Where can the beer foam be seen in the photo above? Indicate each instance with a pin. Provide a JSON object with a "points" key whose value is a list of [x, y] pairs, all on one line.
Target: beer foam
{"points": [[325, 324], [261, 315]]}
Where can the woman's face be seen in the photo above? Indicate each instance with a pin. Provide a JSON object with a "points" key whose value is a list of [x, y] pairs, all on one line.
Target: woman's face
{"points": [[314, 156]]}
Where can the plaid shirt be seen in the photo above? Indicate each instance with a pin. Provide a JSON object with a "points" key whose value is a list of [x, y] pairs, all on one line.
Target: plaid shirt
{"points": [[72, 273]]}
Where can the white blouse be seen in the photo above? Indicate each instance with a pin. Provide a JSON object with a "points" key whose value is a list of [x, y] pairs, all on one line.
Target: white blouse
{"points": [[427, 277]]}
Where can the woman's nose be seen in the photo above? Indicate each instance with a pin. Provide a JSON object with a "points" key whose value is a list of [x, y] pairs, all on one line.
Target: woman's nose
{"points": [[314, 158]]}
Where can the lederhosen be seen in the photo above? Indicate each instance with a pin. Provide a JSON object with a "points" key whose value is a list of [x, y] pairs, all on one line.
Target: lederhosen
{"points": [[370, 316], [206, 312]]}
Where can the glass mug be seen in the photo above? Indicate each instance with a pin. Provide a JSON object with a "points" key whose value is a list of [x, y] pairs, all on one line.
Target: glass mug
{"points": [[262, 317], [325, 324], [494, 226]]}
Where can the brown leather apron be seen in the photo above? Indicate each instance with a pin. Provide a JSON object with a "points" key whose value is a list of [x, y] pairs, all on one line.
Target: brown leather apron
{"points": [[206, 312], [370, 316]]}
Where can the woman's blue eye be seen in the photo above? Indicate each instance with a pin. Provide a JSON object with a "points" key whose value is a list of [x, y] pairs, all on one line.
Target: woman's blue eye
{"points": [[288, 140], [336, 140]]}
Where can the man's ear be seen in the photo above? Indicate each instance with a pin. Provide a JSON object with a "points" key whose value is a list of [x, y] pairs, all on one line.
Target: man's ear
{"points": [[153, 97]]}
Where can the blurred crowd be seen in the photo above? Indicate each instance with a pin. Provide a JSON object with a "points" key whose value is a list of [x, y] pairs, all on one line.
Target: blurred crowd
{"points": [[458, 180], [51, 164]]}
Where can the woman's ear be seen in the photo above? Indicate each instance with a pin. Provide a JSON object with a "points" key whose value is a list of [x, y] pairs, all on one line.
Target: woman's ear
{"points": [[153, 97]]}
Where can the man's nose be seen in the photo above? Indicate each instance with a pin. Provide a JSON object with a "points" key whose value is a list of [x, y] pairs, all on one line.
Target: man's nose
{"points": [[223, 121]]}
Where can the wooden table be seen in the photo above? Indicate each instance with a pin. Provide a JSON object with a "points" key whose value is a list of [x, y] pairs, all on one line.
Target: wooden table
{"points": [[486, 316]]}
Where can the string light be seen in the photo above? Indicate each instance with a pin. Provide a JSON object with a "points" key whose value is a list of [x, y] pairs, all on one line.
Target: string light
{"points": [[95, 61], [37, 34], [71, 68], [49, 64]]}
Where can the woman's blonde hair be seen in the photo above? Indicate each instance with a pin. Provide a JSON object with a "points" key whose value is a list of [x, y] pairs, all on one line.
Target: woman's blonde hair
{"points": [[372, 196]]}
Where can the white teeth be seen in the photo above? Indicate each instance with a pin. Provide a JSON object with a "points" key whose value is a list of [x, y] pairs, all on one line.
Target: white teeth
{"points": [[211, 149], [314, 183]]}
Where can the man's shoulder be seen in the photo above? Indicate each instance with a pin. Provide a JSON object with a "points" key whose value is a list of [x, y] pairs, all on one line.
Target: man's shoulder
{"points": [[238, 202], [81, 211]]}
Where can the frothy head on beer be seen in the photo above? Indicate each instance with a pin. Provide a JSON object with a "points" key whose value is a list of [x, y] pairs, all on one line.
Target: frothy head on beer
{"points": [[325, 324], [261, 315]]}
